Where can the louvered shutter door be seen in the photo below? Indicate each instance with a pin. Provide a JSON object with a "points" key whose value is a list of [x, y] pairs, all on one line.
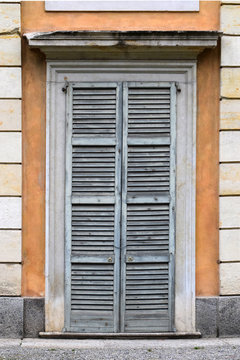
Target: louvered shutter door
{"points": [[148, 207], [93, 183]]}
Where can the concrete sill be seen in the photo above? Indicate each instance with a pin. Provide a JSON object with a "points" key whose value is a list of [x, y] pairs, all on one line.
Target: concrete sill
{"points": [[169, 335]]}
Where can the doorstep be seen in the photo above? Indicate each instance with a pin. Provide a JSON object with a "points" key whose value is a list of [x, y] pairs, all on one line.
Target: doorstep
{"points": [[169, 335]]}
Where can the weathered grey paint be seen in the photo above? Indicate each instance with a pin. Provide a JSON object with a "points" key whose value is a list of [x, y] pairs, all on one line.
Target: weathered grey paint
{"points": [[88, 106]]}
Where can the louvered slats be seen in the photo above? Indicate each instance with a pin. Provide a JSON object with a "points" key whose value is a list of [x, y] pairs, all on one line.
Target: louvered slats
{"points": [[93, 170], [92, 289], [148, 111], [148, 169], [93, 229], [90, 284], [94, 112], [147, 288], [148, 228]]}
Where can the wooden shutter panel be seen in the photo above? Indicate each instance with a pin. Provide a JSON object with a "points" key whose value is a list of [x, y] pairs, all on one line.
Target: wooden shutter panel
{"points": [[148, 202], [93, 183]]}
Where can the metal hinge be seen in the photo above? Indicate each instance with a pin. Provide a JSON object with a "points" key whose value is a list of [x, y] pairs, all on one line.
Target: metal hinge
{"points": [[64, 89], [177, 87]]}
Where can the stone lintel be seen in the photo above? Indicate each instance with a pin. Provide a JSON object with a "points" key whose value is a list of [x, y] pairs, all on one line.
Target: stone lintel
{"points": [[157, 44]]}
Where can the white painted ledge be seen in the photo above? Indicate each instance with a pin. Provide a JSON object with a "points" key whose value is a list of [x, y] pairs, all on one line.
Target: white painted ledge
{"points": [[64, 44], [123, 5]]}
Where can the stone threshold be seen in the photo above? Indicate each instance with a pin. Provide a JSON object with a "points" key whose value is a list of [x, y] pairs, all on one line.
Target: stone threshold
{"points": [[165, 335]]}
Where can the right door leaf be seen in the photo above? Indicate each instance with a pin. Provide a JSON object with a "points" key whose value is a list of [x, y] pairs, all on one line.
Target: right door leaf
{"points": [[148, 206]]}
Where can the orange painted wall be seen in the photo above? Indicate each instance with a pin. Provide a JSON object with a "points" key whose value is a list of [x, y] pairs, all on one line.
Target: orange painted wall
{"points": [[34, 18], [207, 210], [33, 132]]}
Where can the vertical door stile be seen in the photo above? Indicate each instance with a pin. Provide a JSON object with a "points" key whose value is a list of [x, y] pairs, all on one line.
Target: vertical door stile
{"points": [[68, 208], [124, 203], [172, 207], [118, 181]]}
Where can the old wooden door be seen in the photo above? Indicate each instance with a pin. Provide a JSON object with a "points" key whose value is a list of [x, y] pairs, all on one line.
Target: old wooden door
{"points": [[120, 206]]}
